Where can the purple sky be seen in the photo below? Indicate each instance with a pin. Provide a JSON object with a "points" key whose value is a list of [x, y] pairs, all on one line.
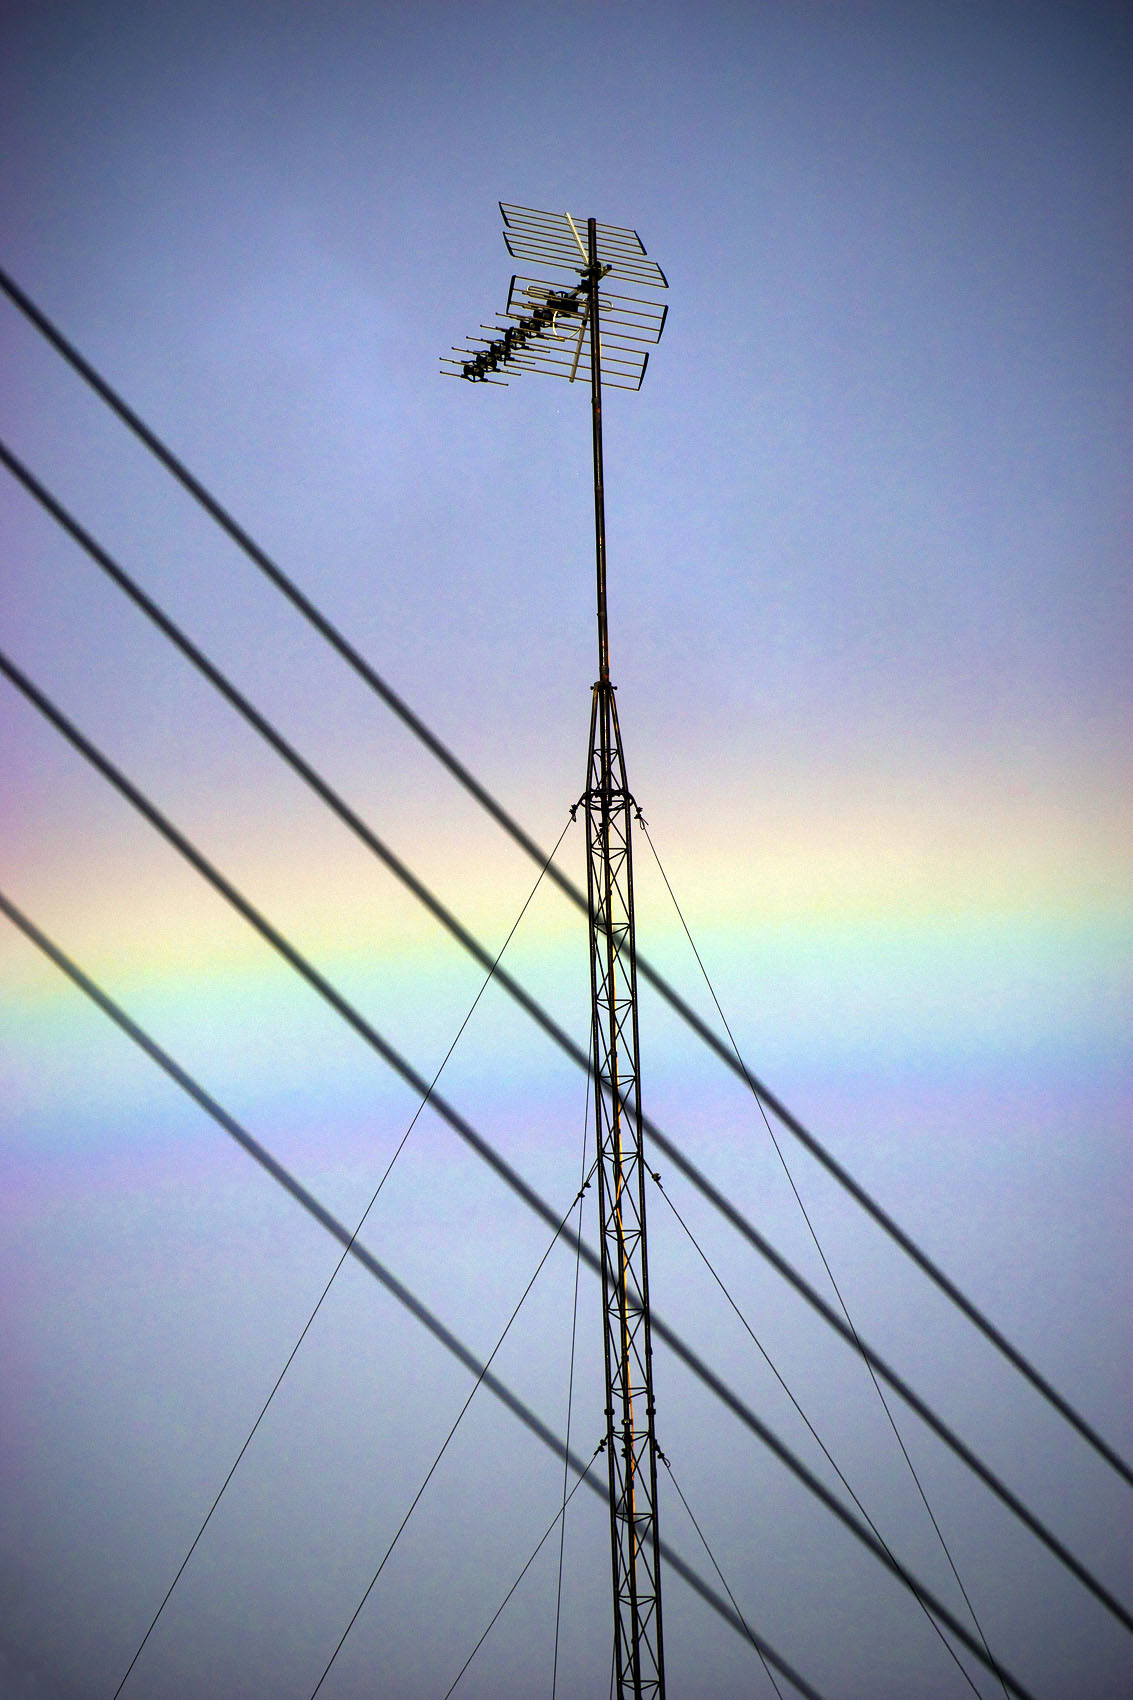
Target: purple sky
{"points": [[869, 527]]}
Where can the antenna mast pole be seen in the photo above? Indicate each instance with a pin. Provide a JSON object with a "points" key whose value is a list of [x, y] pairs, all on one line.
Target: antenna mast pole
{"points": [[593, 276], [631, 1445], [553, 328]]}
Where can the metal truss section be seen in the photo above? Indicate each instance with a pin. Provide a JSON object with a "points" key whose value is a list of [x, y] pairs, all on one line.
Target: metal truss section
{"points": [[628, 1360]]}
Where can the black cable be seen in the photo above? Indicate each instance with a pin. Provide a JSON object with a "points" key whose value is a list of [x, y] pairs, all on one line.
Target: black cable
{"points": [[914, 1401], [276, 576], [283, 1177], [170, 630], [816, 1437], [286, 950], [372, 1265], [559, 1518], [553, 1029], [511, 826], [477, 1143], [319, 1303], [830, 1275], [430, 1472], [287, 751], [715, 1566]]}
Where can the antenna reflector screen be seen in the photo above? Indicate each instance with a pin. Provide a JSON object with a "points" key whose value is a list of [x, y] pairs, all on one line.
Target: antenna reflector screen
{"points": [[559, 239]]}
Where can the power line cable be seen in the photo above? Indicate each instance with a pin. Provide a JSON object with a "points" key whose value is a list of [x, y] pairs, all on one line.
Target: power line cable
{"points": [[289, 754], [271, 735], [765, 1355], [482, 1147], [559, 1518], [419, 1311], [478, 1143], [560, 1037], [504, 819], [826, 1265], [346, 1250], [430, 1472], [919, 1406]]}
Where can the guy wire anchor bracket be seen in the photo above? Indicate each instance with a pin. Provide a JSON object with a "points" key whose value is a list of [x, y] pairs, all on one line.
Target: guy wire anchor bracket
{"points": [[548, 321]]}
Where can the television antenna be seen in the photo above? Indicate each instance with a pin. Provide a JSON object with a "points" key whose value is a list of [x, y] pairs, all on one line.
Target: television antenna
{"points": [[576, 331]]}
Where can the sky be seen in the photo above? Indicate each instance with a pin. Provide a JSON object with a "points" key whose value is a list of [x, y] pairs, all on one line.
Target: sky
{"points": [[868, 529]]}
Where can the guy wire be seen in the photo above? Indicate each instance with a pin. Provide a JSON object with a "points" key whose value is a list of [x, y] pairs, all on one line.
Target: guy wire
{"points": [[837, 1293], [478, 1143], [419, 1311]]}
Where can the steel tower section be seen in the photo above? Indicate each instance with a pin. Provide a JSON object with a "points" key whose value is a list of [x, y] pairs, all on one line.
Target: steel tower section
{"points": [[630, 1438], [559, 331], [631, 1445]]}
